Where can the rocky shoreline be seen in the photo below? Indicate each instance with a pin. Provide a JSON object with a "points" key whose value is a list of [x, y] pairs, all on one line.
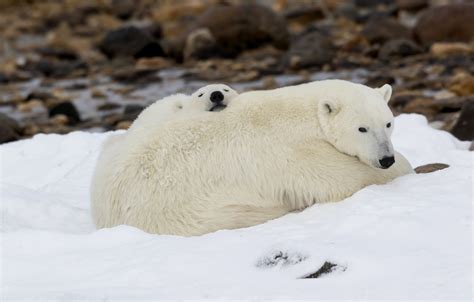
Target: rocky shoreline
{"points": [[94, 65]]}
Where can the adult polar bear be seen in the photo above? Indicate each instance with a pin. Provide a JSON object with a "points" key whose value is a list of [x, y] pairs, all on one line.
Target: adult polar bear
{"points": [[267, 154]]}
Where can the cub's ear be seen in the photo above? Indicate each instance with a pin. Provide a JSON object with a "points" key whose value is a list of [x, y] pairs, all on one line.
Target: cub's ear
{"points": [[329, 107], [386, 92]]}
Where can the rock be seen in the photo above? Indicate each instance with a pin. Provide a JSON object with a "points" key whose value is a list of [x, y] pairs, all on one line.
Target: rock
{"points": [[31, 129], [98, 94], [30, 106], [462, 84], [240, 27], [398, 48], [57, 68], [412, 5], [326, 268], [464, 127], [123, 9], [380, 29], [471, 148], [155, 63], [431, 107], [131, 111], [269, 82], [9, 129], [130, 41], [68, 109], [400, 100], [123, 125], [378, 80], [154, 29], [4, 78], [421, 105], [429, 168], [108, 106], [200, 44], [135, 76], [312, 49], [43, 95], [441, 49], [301, 16], [60, 120], [453, 22], [62, 54], [371, 3]]}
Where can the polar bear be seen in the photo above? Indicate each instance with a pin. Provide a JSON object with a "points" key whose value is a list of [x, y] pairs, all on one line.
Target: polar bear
{"points": [[268, 154], [213, 97]]}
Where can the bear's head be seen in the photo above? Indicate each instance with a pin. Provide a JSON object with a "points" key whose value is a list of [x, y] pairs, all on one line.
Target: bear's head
{"points": [[214, 97], [357, 121]]}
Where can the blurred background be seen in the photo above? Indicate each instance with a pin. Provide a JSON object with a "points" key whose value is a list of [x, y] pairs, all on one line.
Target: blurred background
{"points": [[94, 65]]}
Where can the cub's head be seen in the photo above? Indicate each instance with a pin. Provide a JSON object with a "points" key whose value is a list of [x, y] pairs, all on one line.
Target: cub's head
{"points": [[214, 97], [357, 121]]}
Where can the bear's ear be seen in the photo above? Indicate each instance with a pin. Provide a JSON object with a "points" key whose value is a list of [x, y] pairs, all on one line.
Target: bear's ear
{"points": [[386, 92], [330, 107]]}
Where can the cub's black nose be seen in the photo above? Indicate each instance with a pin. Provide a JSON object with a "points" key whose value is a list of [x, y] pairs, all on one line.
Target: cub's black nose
{"points": [[386, 162], [217, 97]]}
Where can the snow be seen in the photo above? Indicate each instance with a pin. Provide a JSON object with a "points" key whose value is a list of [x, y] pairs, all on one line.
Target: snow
{"points": [[408, 239]]}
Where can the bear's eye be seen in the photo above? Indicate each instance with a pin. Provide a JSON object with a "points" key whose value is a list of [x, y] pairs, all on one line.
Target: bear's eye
{"points": [[226, 90], [362, 129], [200, 95], [389, 125]]}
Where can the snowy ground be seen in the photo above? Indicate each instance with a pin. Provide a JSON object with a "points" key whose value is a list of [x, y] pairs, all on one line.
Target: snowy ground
{"points": [[409, 239]]}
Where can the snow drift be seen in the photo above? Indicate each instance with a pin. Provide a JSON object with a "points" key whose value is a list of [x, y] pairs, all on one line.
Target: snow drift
{"points": [[409, 239]]}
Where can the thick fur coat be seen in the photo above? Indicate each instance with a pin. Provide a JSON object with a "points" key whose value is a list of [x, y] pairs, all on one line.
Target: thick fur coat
{"points": [[268, 154]]}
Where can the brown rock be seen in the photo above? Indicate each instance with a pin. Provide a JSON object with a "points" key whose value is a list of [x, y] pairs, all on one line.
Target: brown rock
{"points": [[462, 84], [155, 63], [9, 129], [453, 22], [429, 168], [241, 27], [464, 127], [68, 109], [431, 107], [130, 41], [398, 48], [96, 93], [60, 120], [380, 29], [412, 5], [123, 8], [442, 49], [108, 106], [310, 49], [31, 130], [200, 44], [135, 75], [123, 125], [269, 83], [421, 105], [30, 106]]}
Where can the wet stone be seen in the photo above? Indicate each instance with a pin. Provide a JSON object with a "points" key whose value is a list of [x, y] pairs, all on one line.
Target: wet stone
{"points": [[464, 127], [68, 109], [429, 168]]}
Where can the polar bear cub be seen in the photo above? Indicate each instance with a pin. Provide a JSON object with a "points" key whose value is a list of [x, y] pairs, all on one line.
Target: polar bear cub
{"points": [[213, 97]]}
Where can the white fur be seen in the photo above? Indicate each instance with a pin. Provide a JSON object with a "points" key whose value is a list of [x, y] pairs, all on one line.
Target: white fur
{"points": [[202, 97], [269, 153], [172, 106]]}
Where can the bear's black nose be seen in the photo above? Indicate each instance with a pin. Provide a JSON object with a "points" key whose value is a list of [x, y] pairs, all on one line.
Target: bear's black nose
{"points": [[217, 97], [386, 162]]}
